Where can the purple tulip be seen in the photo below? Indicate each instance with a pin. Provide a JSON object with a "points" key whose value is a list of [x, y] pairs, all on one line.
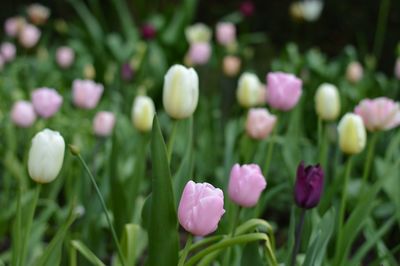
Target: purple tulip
{"points": [[148, 31], [247, 8], [127, 72], [309, 185]]}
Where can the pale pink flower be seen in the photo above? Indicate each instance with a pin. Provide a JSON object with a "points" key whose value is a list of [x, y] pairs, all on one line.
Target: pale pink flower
{"points": [[23, 114], [86, 93]]}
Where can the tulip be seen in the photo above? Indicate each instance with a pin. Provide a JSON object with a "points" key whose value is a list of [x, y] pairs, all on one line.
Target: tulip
{"points": [[226, 33], [352, 134], [86, 93], [103, 124], [13, 25], [397, 68], [198, 32], [127, 72], [23, 114], [246, 184], [379, 114], [199, 53], [29, 36], [231, 65], [354, 72], [247, 8], [309, 186], [46, 156], [296, 11], [46, 101], [259, 123], [143, 111], [248, 90], [283, 90], [65, 56], [311, 9], [7, 50], [148, 31], [327, 102], [201, 208], [38, 13], [89, 72], [180, 92]]}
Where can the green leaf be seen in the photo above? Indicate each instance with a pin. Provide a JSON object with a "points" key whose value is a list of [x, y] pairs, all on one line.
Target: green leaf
{"points": [[251, 255], [124, 14], [87, 253], [130, 243], [163, 224], [317, 247]]}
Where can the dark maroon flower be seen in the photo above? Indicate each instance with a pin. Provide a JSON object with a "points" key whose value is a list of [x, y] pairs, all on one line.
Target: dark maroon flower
{"points": [[127, 72], [148, 31], [309, 185], [247, 8]]}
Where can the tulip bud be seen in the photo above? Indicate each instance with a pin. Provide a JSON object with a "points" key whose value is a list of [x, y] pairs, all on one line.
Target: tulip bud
{"points": [[379, 114], [248, 91], [259, 123], [309, 186], [148, 31], [13, 25], [46, 101], [86, 93], [201, 208], [38, 14], [46, 156], [23, 114], [180, 92], [29, 36], [143, 111], [226, 33], [231, 65], [199, 53], [327, 102], [246, 184], [283, 90], [397, 68], [354, 72], [65, 56], [247, 8], [352, 134], [7, 50], [103, 124], [198, 32]]}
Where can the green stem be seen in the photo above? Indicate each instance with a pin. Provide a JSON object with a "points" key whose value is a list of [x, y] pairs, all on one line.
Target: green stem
{"points": [[320, 134], [343, 202], [270, 149], [298, 234], [234, 224], [103, 204], [18, 231], [29, 220], [170, 145], [368, 161], [185, 250], [381, 28]]}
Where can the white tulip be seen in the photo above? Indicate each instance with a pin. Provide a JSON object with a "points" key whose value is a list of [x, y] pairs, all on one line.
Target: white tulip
{"points": [[327, 102], [311, 9], [181, 91], [249, 90], [46, 156], [352, 134], [143, 111], [198, 32]]}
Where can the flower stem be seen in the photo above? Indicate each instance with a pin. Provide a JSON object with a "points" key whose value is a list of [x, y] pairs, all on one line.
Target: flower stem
{"points": [[381, 28], [320, 135], [343, 202], [270, 149], [170, 145], [103, 204], [298, 234], [234, 224], [368, 162], [186, 250]]}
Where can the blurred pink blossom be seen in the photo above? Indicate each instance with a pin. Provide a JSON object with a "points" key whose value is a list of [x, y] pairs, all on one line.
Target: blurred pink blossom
{"points": [[199, 53], [29, 36], [46, 101], [259, 123], [226, 33], [283, 90], [65, 56], [8, 51], [103, 124], [13, 25], [86, 93], [354, 72], [23, 114]]}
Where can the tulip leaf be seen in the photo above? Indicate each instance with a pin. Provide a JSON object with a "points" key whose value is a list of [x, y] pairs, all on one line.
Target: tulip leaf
{"points": [[251, 255], [185, 171], [317, 247], [86, 252], [163, 224], [130, 243]]}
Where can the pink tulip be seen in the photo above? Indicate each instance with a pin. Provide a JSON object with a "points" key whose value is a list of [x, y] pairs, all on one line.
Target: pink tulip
{"points": [[246, 184], [103, 124], [231, 65], [38, 13], [259, 123], [7, 50], [397, 68], [86, 93], [29, 36], [283, 90], [23, 114], [201, 208], [13, 25], [46, 101], [65, 56], [379, 114], [354, 72], [226, 33], [199, 53]]}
